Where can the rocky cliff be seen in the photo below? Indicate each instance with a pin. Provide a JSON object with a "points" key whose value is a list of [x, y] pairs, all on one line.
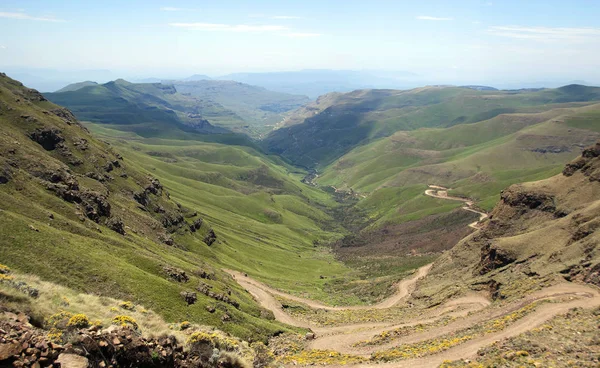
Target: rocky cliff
{"points": [[539, 233]]}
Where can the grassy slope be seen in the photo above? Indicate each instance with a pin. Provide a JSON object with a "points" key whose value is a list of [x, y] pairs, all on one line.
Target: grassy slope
{"points": [[47, 236], [476, 160], [267, 217], [124, 103], [343, 122]]}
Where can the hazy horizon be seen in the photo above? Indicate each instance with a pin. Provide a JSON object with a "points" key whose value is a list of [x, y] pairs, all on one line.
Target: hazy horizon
{"points": [[464, 42]]}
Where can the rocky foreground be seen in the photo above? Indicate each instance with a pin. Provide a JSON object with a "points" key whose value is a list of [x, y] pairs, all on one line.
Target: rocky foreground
{"points": [[24, 345]]}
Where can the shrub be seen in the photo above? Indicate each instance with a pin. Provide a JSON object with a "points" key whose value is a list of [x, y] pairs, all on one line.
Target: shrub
{"points": [[55, 335], [78, 321], [213, 340], [125, 321], [65, 302], [184, 325], [231, 360], [199, 337], [59, 320], [127, 305], [273, 215]]}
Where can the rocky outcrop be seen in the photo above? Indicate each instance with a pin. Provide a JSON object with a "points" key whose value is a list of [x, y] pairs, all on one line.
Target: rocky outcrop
{"points": [[585, 164], [48, 138], [176, 274], [65, 114], [196, 225], [492, 258], [5, 175], [94, 205], [527, 200], [593, 275], [207, 290], [23, 345], [189, 297], [210, 238], [116, 225]]}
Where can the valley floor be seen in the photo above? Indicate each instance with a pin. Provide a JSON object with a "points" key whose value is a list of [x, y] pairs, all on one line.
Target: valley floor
{"points": [[444, 325], [415, 337]]}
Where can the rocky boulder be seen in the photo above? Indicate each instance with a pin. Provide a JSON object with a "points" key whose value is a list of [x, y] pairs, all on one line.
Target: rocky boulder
{"points": [[48, 138], [210, 238]]}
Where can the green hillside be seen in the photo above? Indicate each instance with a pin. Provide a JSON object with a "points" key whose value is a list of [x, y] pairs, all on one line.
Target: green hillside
{"points": [[476, 160], [77, 212], [125, 215], [343, 122], [203, 106], [148, 109]]}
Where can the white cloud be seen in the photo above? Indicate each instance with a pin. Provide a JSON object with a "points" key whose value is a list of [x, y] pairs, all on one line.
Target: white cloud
{"points": [[25, 16], [229, 27], [175, 9], [285, 17], [427, 17], [546, 34], [303, 35], [2, 47]]}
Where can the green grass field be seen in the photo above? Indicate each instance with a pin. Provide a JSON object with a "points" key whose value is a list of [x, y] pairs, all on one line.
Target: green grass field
{"points": [[476, 160]]}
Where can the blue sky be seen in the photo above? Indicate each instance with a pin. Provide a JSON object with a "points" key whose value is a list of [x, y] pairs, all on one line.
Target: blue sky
{"points": [[471, 40]]}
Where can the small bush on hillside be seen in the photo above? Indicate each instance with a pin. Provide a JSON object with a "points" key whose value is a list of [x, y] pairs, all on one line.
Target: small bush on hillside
{"points": [[230, 360], [125, 321], [184, 325], [127, 305], [4, 273], [65, 302], [78, 321], [55, 335], [59, 320], [274, 216]]}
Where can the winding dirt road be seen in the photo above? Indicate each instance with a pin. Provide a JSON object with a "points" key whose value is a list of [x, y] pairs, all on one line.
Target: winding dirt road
{"points": [[468, 310], [437, 191], [404, 289], [343, 338]]}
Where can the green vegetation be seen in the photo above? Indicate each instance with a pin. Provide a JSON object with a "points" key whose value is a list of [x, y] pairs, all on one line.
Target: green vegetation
{"points": [[148, 109], [156, 109], [476, 160], [65, 206], [342, 122], [155, 210]]}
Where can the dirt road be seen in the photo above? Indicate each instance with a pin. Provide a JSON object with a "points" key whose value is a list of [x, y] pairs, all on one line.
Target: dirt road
{"points": [[404, 288], [437, 191], [473, 309], [468, 310]]}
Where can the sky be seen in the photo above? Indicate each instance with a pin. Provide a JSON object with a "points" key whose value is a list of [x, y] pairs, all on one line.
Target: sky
{"points": [[469, 41]]}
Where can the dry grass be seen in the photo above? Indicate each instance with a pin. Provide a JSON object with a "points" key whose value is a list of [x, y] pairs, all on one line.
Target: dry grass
{"points": [[54, 298]]}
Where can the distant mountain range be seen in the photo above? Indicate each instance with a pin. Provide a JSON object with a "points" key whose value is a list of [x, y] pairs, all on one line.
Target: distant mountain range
{"points": [[319, 133], [202, 104], [315, 83], [147, 109]]}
